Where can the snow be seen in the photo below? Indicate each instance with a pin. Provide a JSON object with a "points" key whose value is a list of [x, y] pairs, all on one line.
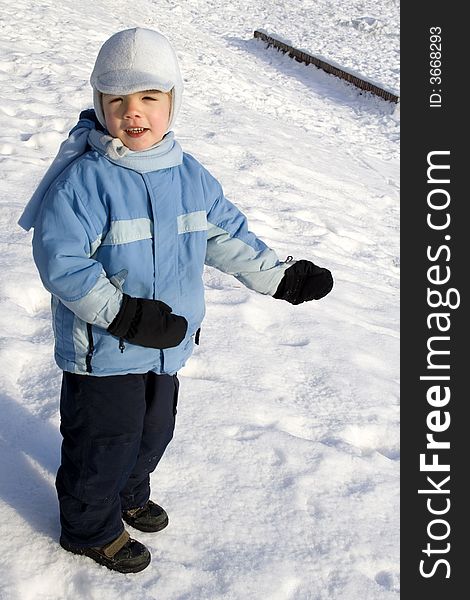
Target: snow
{"points": [[282, 481]]}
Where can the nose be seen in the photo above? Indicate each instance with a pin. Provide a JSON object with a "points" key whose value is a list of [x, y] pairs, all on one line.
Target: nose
{"points": [[131, 108]]}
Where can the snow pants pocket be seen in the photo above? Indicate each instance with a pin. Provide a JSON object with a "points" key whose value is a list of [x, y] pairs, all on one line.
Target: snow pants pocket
{"points": [[109, 463]]}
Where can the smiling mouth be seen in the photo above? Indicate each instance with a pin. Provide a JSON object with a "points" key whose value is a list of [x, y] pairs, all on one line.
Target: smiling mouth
{"points": [[135, 131]]}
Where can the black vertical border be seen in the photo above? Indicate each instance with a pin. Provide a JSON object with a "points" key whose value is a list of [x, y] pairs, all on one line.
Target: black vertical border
{"points": [[425, 129]]}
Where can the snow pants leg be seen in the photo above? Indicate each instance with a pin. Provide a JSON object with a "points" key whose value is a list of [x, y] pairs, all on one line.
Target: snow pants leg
{"points": [[115, 431]]}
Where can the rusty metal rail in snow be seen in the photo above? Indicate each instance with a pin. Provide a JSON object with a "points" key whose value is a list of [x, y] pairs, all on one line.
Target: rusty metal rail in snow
{"points": [[308, 59]]}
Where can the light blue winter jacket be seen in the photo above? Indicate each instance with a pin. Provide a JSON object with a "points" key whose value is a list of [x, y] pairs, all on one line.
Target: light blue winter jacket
{"points": [[104, 229]]}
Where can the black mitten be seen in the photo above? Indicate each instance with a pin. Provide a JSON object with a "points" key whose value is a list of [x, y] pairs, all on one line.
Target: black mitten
{"points": [[148, 323], [304, 281]]}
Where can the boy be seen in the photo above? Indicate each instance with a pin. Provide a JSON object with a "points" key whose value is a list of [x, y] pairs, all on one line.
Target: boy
{"points": [[124, 222]]}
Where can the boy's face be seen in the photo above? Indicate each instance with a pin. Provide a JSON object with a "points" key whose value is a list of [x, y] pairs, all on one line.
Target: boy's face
{"points": [[139, 120]]}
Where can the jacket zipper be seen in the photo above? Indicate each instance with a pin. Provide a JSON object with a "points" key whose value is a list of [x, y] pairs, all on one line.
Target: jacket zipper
{"points": [[91, 348]]}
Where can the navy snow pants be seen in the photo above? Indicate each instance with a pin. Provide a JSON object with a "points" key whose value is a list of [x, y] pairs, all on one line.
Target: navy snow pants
{"points": [[115, 430]]}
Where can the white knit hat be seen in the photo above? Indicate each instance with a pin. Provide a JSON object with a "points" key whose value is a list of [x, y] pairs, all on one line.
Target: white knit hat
{"points": [[135, 60]]}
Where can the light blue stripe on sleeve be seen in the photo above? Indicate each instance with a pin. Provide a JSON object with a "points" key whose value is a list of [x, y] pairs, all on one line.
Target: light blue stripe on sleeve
{"points": [[100, 305], [258, 270]]}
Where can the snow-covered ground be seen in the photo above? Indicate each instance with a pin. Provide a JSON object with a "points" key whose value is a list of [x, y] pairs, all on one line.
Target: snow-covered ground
{"points": [[282, 482]]}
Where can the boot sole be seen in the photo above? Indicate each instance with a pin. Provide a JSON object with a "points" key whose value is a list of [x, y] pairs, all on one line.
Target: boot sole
{"points": [[133, 565]]}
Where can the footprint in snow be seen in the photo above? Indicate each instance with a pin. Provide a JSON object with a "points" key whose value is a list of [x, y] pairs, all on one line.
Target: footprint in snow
{"points": [[388, 580], [364, 440]]}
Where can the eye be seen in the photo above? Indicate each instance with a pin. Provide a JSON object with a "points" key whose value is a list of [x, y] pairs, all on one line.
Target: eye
{"points": [[154, 98], [114, 100]]}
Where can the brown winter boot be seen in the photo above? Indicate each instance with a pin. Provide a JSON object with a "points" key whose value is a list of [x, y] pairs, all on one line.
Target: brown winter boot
{"points": [[148, 518], [122, 554]]}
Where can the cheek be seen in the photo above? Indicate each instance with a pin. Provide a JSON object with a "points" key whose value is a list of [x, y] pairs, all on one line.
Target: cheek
{"points": [[168, 110], [112, 126], [162, 118], [110, 117], [107, 114]]}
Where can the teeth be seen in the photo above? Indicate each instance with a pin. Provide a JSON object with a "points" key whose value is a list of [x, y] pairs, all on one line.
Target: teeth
{"points": [[135, 129]]}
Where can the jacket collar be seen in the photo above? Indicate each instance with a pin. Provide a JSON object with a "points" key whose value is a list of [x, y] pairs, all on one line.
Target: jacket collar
{"points": [[166, 153]]}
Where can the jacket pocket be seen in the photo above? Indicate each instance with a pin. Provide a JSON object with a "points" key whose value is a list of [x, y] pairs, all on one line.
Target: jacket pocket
{"points": [[91, 348]]}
